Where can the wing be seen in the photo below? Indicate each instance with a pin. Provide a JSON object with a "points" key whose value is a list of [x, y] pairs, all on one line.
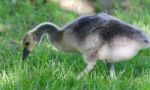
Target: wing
{"points": [[115, 28], [86, 25], [105, 25]]}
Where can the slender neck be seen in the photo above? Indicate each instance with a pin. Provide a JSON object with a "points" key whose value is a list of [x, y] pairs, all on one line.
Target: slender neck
{"points": [[48, 28]]}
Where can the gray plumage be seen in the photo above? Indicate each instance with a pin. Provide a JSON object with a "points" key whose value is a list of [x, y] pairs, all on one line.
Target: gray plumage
{"points": [[105, 25], [96, 37]]}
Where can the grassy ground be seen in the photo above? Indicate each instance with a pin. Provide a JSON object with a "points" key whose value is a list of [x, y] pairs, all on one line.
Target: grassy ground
{"points": [[46, 70]]}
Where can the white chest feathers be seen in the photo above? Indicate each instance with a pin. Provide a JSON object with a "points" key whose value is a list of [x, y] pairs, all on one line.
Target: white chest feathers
{"points": [[119, 49]]}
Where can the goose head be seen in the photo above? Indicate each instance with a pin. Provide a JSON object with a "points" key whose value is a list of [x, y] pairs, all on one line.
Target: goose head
{"points": [[34, 36], [29, 43]]}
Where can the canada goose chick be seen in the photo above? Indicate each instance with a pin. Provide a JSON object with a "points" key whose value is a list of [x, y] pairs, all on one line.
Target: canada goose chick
{"points": [[96, 37]]}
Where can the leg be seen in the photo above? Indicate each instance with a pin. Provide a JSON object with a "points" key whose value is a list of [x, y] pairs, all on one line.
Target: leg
{"points": [[111, 70], [87, 69], [90, 59]]}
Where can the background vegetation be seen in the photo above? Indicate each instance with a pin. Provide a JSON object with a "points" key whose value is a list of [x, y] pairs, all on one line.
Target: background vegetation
{"points": [[48, 69]]}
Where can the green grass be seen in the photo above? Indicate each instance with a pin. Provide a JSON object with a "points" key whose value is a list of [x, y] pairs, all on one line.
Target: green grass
{"points": [[47, 69]]}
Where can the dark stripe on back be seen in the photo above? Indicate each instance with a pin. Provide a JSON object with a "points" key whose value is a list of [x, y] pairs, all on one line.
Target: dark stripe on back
{"points": [[103, 24], [86, 25], [116, 28]]}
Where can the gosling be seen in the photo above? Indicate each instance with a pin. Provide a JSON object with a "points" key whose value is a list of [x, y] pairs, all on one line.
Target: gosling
{"points": [[96, 37]]}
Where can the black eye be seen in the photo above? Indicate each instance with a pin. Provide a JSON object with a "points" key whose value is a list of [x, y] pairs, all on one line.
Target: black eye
{"points": [[27, 43]]}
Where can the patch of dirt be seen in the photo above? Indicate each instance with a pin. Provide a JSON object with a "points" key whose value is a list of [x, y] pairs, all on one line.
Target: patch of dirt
{"points": [[78, 6]]}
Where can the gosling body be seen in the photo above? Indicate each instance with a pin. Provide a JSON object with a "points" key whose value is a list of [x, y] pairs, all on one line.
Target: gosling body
{"points": [[96, 37]]}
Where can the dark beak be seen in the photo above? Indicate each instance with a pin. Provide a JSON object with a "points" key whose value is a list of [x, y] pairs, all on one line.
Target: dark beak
{"points": [[25, 53]]}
